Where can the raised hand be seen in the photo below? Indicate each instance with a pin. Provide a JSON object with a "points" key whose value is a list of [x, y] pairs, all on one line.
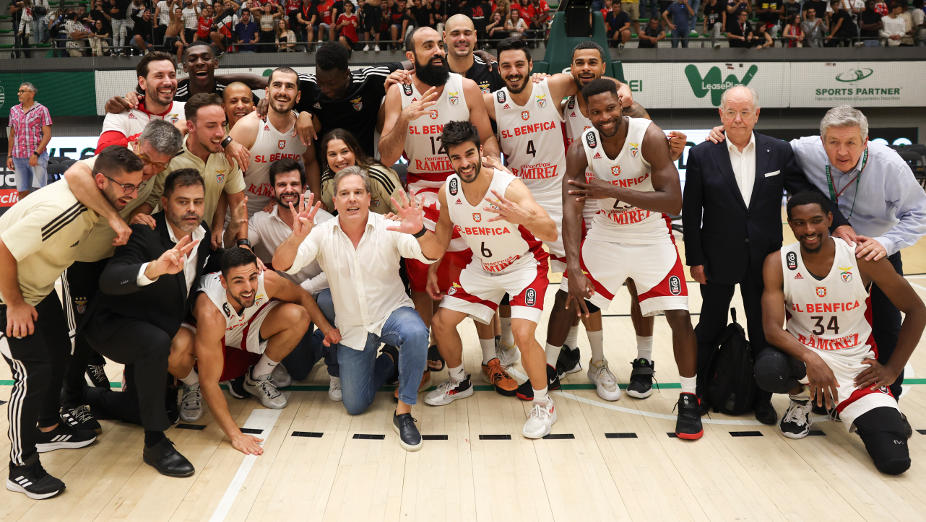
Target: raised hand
{"points": [[410, 215], [507, 209], [171, 261], [419, 108], [304, 218]]}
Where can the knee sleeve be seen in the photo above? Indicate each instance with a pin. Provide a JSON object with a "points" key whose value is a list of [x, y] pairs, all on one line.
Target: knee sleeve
{"points": [[885, 432], [591, 307], [776, 372]]}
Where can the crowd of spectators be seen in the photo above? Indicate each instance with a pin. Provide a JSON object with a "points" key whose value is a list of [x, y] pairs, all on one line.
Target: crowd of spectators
{"points": [[133, 27], [766, 23]]}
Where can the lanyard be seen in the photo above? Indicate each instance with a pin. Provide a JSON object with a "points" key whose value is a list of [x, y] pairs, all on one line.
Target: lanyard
{"points": [[834, 196]]}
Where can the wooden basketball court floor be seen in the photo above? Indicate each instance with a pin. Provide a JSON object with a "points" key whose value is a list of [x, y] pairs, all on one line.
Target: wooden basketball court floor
{"points": [[605, 461]]}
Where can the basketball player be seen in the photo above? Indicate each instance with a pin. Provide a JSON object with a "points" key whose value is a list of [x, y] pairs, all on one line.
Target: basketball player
{"points": [[500, 222], [258, 312], [414, 119], [157, 77], [822, 292], [529, 135], [635, 185], [274, 139], [588, 64]]}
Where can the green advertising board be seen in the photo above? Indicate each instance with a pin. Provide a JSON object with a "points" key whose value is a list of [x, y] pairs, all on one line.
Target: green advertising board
{"points": [[64, 93]]}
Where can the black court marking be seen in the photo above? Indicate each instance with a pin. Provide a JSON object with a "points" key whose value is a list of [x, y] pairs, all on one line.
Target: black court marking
{"points": [[560, 436], [921, 432], [197, 427], [435, 437], [745, 433], [252, 431], [495, 437], [624, 435], [2, 402], [672, 435], [816, 433], [310, 434], [369, 436]]}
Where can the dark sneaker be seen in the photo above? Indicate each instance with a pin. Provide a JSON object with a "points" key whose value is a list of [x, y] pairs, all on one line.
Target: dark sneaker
{"points": [[167, 460], [409, 436], [449, 391], [765, 413], [688, 423], [236, 388], [526, 391], [80, 418], [63, 437], [796, 422], [33, 481], [641, 378], [97, 376], [568, 361]]}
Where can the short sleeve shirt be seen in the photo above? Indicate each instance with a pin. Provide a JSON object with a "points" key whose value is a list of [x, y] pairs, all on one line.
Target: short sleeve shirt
{"points": [[219, 175], [43, 233], [28, 128]]}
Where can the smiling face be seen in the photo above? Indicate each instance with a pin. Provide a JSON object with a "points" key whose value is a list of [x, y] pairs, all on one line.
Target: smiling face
{"points": [[200, 63], [430, 60], [241, 283], [465, 160], [160, 84], [339, 156], [283, 91], [586, 66], [514, 66], [460, 36], [207, 128], [810, 225], [287, 188], [237, 102], [604, 111]]}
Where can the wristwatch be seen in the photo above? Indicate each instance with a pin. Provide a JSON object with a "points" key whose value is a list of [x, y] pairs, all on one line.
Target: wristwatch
{"points": [[420, 232], [243, 242], [226, 141]]}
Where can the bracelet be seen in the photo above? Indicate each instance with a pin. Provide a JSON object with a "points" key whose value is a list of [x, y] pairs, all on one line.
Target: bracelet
{"points": [[420, 232], [226, 141], [243, 242]]}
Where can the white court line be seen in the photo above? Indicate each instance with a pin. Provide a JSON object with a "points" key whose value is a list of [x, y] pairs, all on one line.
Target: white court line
{"points": [[921, 287], [654, 415], [262, 419]]}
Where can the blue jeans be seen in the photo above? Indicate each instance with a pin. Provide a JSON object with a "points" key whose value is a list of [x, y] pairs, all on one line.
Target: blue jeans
{"points": [[25, 174], [680, 35], [362, 373], [311, 348]]}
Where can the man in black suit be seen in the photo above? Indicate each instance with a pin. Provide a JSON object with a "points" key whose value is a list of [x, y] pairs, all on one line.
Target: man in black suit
{"points": [[145, 291], [738, 186]]}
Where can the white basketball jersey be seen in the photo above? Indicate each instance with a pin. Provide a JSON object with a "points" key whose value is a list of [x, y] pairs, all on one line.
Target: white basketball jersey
{"points": [[269, 147], [574, 124], [498, 245], [236, 326], [618, 220], [428, 163], [833, 313], [531, 138], [131, 123]]}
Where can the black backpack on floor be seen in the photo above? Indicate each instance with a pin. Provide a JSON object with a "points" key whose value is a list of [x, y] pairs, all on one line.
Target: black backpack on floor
{"points": [[732, 385]]}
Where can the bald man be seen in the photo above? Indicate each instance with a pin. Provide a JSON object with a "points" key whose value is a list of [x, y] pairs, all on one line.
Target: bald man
{"points": [[460, 38], [238, 102]]}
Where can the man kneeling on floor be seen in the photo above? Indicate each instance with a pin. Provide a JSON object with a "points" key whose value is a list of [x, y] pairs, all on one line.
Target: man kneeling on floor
{"points": [[827, 351], [258, 312], [360, 251]]}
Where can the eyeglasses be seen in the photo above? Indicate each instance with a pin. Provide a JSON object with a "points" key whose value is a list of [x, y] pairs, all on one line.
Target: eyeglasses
{"points": [[127, 188], [23, 90], [159, 166]]}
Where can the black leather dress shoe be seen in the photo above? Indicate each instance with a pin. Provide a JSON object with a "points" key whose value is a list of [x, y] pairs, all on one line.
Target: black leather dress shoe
{"points": [[409, 436], [167, 460], [765, 413]]}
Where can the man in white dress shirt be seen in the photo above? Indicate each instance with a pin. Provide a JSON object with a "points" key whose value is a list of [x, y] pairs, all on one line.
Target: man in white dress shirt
{"points": [[360, 252]]}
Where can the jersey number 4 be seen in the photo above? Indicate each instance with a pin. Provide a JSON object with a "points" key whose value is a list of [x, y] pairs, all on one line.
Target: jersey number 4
{"points": [[530, 148]]}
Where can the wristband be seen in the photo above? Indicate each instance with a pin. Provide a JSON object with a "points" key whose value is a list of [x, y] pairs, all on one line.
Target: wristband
{"points": [[420, 232], [243, 242], [226, 141]]}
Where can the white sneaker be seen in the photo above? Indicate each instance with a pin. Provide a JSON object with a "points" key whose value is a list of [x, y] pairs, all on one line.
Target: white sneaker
{"points": [[280, 376], [605, 382], [265, 390], [540, 421], [449, 391], [191, 403], [334, 388], [376, 47], [507, 355], [366, 47]]}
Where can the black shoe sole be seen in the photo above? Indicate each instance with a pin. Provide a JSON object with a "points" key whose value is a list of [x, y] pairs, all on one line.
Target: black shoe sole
{"points": [[16, 488]]}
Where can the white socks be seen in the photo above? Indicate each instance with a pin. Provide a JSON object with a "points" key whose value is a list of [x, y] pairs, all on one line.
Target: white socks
{"points": [[191, 379], [552, 354], [540, 395], [457, 374], [645, 348], [597, 344], [507, 337], [572, 338], [689, 384], [263, 367], [488, 350]]}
